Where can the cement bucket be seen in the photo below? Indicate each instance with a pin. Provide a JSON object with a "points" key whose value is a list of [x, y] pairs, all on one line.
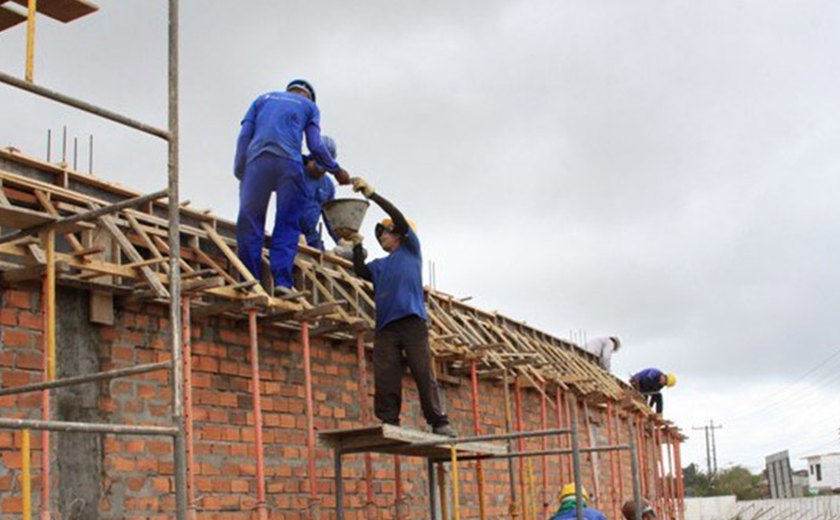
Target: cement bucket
{"points": [[345, 216]]}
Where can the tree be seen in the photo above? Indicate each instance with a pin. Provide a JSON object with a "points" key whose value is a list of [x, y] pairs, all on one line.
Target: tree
{"points": [[736, 480]]}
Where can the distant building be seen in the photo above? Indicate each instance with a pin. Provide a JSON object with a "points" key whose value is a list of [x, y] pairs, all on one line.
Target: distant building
{"points": [[780, 476], [824, 472], [800, 481]]}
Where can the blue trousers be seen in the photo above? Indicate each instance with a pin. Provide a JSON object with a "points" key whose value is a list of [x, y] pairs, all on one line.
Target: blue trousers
{"points": [[264, 175], [309, 227]]}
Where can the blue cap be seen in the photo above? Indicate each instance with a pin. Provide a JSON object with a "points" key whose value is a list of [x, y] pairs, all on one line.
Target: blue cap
{"points": [[329, 144], [302, 84]]}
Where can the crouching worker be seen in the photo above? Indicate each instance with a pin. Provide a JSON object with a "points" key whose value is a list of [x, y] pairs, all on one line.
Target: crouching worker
{"points": [[628, 510], [401, 328], [568, 506], [650, 383]]}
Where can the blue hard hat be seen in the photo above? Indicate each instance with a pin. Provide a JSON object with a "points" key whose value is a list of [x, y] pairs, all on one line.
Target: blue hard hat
{"points": [[302, 84], [329, 144]]}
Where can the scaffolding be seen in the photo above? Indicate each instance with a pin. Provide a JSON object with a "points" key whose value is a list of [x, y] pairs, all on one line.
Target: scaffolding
{"points": [[46, 227], [465, 341], [80, 231]]}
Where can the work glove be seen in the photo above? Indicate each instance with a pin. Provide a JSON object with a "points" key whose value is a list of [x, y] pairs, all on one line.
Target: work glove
{"points": [[361, 185], [342, 176], [355, 238]]}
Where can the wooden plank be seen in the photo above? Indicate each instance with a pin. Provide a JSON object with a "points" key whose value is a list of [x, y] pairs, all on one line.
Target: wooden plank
{"points": [[386, 438], [30, 272], [9, 18], [231, 256], [23, 218], [108, 222], [63, 10]]}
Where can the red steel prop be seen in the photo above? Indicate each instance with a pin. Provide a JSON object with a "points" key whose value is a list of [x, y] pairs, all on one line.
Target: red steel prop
{"points": [[186, 359], [262, 509], [477, 429], [365, 417], [310, 420]]}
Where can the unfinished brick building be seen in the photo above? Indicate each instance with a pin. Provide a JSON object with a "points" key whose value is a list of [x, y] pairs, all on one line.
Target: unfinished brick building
{"points": [[111, 314], [144, 373]]}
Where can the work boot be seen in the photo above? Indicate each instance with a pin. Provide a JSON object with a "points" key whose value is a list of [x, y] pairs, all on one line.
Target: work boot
{"points": [[444, 429]]}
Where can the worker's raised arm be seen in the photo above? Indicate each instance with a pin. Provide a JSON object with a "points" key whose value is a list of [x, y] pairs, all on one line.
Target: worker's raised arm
{"points": [[400, 223], [319, 150], [359, 266]]}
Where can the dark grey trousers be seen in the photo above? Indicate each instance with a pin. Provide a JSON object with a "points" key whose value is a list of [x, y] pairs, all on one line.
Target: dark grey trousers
{"points": [[405, 340]]}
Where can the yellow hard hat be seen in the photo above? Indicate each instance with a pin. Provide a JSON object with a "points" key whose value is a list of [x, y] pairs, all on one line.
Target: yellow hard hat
{"points": [[672, 380], [569, 491], [388, 224]]}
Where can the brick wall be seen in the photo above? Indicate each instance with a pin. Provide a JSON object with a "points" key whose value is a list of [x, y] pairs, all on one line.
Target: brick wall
{"points": [[131, 477]]}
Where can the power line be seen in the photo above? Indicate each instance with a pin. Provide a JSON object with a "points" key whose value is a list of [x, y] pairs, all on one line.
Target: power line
{"points": [[820, 365], [797, 394]]}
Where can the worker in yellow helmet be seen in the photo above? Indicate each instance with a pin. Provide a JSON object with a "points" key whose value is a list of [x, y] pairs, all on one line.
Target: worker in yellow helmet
{"points": [[402, 331], [650, 382], [568, 505]]}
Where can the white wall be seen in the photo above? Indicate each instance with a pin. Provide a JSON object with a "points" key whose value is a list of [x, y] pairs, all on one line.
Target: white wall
{"points": [[710, 508], [830, 469], [726, 508]]}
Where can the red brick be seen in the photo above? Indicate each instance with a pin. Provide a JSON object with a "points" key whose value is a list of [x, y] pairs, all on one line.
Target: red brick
{"points": [[29, 361], [19, 299], [31, 321], [16, 338], [8, 317]]}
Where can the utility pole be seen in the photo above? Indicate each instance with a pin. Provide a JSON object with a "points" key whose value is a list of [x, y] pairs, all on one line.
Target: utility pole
{"points": [[705, 429], [712, 428], [711, 448]]}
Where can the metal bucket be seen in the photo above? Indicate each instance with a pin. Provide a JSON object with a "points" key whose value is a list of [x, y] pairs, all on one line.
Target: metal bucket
{"points": [[345, 216]]}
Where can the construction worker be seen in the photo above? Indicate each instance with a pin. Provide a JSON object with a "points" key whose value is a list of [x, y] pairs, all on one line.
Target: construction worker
{"points": [[268, 160], [568, 505], [650, 382], [603, 348], [319, 190], [628, 510], [401, 328]]}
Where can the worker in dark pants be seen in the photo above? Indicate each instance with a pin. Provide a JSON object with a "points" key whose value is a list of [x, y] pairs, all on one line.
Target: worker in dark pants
{"points": [[401, 328], [650, 382], [268, 160]]}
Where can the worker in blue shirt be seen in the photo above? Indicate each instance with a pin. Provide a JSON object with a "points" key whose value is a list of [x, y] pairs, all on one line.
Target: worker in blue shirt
{"points": [[568, 506], [268, 160], [401, 328], [319, 190], [650, 382]]}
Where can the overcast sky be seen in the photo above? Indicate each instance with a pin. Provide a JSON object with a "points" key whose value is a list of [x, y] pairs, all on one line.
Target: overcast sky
{"points": [[662, 171]]}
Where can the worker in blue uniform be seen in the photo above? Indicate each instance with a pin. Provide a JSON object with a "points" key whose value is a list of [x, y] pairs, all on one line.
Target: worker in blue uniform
{"points": [[568, 506], [402, 331], [650, 382], [269, 160], [319, 190]]}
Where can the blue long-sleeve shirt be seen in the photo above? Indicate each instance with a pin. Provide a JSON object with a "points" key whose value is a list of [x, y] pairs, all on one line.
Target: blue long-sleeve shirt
{"points": [[276, 123], [648, 380], [318, 191]]}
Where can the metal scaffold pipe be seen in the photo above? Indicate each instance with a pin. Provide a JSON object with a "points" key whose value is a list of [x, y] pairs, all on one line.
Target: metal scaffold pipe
{"points": [[84, 106], [175, 318]]}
